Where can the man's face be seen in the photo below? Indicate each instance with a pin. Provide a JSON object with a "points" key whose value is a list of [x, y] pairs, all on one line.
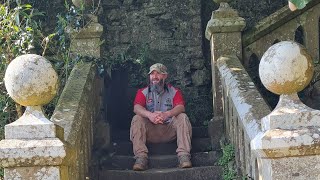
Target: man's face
{"points": [[157, 78]]}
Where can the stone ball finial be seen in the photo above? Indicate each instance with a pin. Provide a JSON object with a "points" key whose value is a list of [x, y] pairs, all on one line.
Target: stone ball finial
{"points": [[31, 80], [286, 68]]}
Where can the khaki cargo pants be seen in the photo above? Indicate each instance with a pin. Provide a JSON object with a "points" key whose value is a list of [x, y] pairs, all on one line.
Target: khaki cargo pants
{"points": [[143, 130]]}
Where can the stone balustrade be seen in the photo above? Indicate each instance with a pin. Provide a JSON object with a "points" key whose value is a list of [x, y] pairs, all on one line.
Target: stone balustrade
{"points": [[236, 105], [60, 148], [224, 32], [78, 112], [32, 148], [87, 40], [283, 25], [243, 107], [288, 146], [282, 144]]}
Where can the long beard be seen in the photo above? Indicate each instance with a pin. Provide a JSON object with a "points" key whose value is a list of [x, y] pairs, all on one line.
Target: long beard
{"points": [[158, 87]]}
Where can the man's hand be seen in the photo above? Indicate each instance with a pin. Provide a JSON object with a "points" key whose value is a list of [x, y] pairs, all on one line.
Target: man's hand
{"points": [[163, 115], [156, 118]]}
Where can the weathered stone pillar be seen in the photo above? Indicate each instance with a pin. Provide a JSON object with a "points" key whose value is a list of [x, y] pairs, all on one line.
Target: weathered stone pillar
{"points": [[87, 40], [224, 32], [289, 145], [32, 148]]}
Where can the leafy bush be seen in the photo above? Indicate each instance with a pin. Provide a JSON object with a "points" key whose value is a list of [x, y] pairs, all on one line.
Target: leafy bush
{"points": [[1, 173], [21, 33], [227, 158], [18, 33], [135, 60], [18, 30]]}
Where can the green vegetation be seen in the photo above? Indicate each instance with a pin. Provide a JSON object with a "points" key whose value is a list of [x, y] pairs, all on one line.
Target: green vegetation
{"points": [[21, 33], [226, 161], [18, 34], [135, 60], [18, 30]]}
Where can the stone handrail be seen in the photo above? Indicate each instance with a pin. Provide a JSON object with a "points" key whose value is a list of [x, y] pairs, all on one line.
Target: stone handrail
{"points": [[243, 109], [272, 22], [300, 26], [60, 148], [76, 112], [284, 143], [287, 147], [37, 148]]}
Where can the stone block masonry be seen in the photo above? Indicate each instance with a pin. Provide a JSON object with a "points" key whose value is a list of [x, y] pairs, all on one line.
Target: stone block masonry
{"points": [[172, 31]]}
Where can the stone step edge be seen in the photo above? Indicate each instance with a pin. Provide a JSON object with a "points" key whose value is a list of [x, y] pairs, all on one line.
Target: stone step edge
{"points": [[159, 170], [157, 156], [194, 173], [161, 161], [194, 139]]}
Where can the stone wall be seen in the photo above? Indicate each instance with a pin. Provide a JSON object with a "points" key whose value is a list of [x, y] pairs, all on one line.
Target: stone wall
{"points": [[172, 33], [78, 112]]}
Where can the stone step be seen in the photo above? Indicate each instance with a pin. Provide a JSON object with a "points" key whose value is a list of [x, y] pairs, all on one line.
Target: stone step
{"points": [[195, 173], [123, 135], [161, 161], [198, 145]]}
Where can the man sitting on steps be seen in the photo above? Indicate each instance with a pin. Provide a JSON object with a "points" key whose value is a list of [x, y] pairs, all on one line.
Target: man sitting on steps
{"points": [[159, 118]]}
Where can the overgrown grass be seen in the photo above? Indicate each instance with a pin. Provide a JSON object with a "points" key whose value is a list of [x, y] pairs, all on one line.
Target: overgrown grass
{"points": [[1, 174], [7, 106], [226, 161]]}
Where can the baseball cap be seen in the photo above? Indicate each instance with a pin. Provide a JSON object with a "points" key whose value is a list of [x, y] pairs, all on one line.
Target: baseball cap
{"points": [[158, 67]]}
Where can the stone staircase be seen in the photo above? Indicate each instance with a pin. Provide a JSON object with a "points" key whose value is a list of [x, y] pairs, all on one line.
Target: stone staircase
{"points": [[163, 161]]}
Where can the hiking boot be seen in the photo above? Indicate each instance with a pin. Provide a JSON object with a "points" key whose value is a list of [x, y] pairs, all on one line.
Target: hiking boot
{"points": [[141, 164], [184, 161]]}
